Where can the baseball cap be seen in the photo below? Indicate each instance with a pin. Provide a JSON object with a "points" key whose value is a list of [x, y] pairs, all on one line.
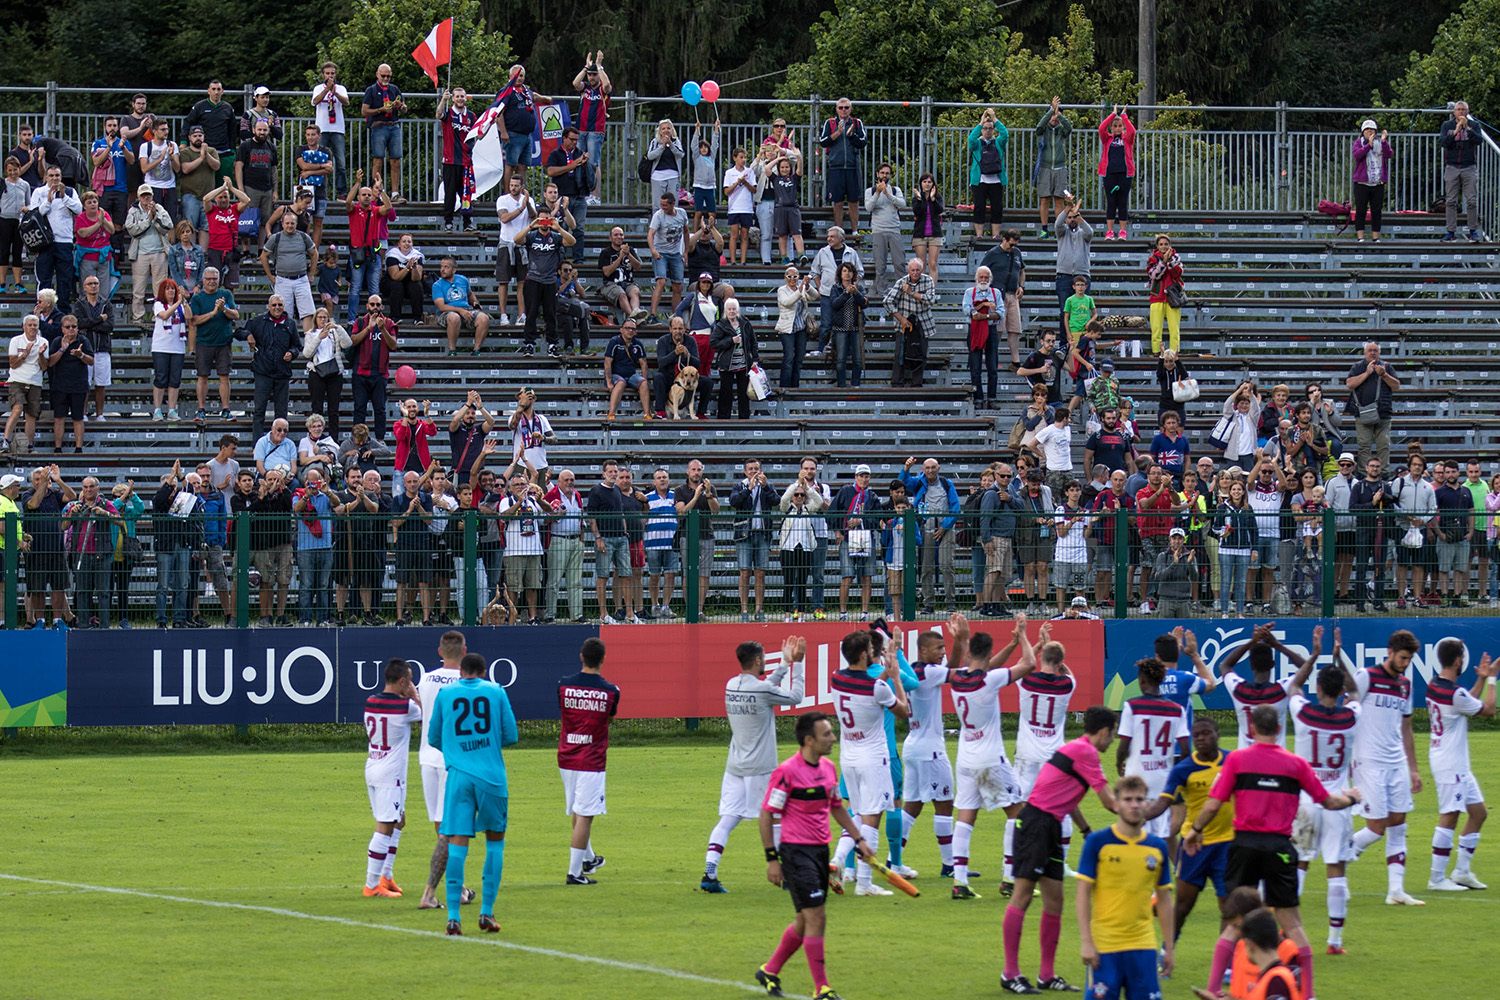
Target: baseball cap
{"points": [[143, 189], [1368, 123], [861, 470], [6, 482], [1347, 456], [195, 128], [262, 90], [705, 274], [1080, 602], [1177, 531], [1106, 365]]}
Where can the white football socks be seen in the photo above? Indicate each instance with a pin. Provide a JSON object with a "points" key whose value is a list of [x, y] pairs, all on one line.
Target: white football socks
{"points": [[1442, 852], [1467, 845], [1395, 858], [1338, 909], [942, 828], [1301, 880], [390, 854], [1010, 840], [379, 844], [716, 841], [962, 834], [862, 869], [576, 858]]}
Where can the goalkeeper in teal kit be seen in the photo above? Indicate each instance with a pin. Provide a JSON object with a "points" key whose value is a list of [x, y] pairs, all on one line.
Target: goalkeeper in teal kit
{"points": [[470, 722]]}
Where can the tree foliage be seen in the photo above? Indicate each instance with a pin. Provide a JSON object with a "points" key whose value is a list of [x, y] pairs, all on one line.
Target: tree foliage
{"points": [[385, 31], [1462, 64]]}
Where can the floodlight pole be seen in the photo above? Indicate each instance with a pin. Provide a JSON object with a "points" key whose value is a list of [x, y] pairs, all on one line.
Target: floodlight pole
{"points": [[1146, 60]]}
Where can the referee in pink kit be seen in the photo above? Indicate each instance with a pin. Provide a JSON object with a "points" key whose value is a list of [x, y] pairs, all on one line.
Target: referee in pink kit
{"points": [[1265, 778]]}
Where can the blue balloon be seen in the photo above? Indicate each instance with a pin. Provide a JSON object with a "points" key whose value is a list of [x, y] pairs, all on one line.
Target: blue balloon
{"points": [[692, 93]]}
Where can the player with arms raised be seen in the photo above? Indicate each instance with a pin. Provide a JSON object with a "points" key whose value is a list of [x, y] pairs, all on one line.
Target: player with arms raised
{"points": [[750, 701], [1187, 786], [1044, 695], [1181, 685], [389, 714], [1385, 760], [804, 791], [587, 702], [1449, 708], [471, 722], [1324, 737], [985, 776], [927, 770], [1261, 689], [1153, 737], [861, 699]]}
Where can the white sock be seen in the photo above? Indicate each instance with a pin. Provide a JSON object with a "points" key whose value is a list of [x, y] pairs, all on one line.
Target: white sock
{"points": [[1395, 858], [1301, 880], [942, 828], [841, 851], [1364, 838], [1067, 837], [576, 858], [716, 841], [390, 855], [962, 833], [1467, 845], [1010, 839], [862, 869], [379, 844], [588, 850], [1338, 908], [907, 822], [776, 835], [1442, 852]]}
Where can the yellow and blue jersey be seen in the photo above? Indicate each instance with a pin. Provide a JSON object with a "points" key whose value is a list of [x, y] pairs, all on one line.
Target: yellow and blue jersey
{"points": [[1189, 782], [1125, 872]]}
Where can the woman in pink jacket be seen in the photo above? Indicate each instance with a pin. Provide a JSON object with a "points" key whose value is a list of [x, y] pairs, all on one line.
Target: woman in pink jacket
{"points": [[1117, 167]]}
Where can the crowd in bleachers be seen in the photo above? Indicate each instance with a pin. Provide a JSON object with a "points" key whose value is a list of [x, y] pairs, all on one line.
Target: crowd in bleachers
{"points": [[181, 220]]}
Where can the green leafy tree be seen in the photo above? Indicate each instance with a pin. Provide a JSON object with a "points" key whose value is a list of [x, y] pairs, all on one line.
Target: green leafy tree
{"points": [[1462, 63], [385, 31]]}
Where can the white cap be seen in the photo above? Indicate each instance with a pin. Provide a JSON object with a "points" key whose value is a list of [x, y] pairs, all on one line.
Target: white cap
{"points": [[6, 482], [861, 470], [262, 90], [1347, 456], [1080, 602], [1368, 123], [1178, 531]]}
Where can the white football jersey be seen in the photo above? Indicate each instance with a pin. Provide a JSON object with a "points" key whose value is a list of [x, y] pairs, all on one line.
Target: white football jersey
{"points": [[388, 719], [976, 696], [750, 703], [1249, 695], [1448, 709], [1386, 701], [924, 734], [859, 702], [433, 681], [1325, 738], [1153, 725], [1044, 712]]}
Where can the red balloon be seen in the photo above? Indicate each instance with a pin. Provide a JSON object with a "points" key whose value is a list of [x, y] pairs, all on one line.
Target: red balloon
{"points": [[406, 376], [710, 91]]}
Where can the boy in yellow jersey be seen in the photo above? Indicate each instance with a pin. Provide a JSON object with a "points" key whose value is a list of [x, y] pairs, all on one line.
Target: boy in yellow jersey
{"points": [[1188, 783], [1121, 866]]}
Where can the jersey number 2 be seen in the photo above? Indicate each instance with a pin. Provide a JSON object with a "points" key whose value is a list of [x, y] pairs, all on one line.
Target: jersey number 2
{"points": [[481, 709]]}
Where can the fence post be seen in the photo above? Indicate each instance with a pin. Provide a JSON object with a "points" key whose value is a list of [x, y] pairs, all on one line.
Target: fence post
{"points": [[241, 569], [471, 570], [814, 129], [928, 140], [1283, 158], [628, 181], [691, 567], [12, 566], [909, 560], [50, 122], [1328, 559], [1122, 563]]}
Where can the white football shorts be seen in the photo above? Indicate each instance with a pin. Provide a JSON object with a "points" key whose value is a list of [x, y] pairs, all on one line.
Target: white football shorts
{"points": [[927, 780], [870, 789], [1386, 790], [989, 787], [583, 792], [434, 784], [387, 802], [741, 795], [1459, 793]]}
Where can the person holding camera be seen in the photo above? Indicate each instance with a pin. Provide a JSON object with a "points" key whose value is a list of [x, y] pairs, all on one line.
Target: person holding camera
{"points": [[544, 239], [89, 523], [1371, 382], [1372, 171], [177, 532]]}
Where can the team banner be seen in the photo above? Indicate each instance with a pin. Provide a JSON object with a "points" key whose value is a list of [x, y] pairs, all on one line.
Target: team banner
{"points": [[1125, 642], [33, 679], [680, 670]]}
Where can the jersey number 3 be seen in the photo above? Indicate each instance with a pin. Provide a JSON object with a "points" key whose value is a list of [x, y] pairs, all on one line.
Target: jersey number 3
{"points": [[481, 715]]}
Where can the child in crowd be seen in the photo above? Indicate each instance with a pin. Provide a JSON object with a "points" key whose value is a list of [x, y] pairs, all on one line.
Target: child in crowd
{"points": [[705, 175], [330, 278], [894, 539]]}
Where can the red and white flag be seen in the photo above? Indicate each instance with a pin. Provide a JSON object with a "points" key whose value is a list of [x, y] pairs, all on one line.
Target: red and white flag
{"points": [[436, 49]]}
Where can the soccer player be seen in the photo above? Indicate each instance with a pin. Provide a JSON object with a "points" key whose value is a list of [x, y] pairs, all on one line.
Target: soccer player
{"points": [[926, 767], [1153, 737], [1264, 780], [388, 718], [587, 702], [471, 722], [1385, 760], [985, 776], [1123, 865], [750, 701], [804, 790], [1324, 736], [1060, 786], [1187, 785], [451, 648], [861, 698], [1448, 709], [895, 826], [1044, 696], [1181, 685], [1261, 690]]}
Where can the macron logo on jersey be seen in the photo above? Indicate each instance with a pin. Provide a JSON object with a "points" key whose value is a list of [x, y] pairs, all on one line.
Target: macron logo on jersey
{"points": [[586, 699]]}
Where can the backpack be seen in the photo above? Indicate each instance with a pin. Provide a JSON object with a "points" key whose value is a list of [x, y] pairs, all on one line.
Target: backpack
{"points": [[989, 157], [36, 230], [1337, 209]]}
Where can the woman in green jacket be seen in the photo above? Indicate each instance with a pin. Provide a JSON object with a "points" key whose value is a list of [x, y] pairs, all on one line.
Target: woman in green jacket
{"points": [[987, 177]]}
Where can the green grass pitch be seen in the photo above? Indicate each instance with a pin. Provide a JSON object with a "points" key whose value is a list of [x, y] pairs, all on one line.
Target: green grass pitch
{"points": [[282, 837]]}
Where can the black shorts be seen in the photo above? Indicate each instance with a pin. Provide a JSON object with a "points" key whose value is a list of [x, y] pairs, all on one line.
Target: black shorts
{"points": [[68, 405], [1268, 857], [1036, 852], [46, 571], [804, 869], [414, 565]]}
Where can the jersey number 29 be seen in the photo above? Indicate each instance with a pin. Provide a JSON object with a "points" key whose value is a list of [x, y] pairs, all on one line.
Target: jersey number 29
{"points": [[481, 714]]}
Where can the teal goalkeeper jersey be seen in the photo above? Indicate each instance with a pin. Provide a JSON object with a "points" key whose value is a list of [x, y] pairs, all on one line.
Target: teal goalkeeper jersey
{"points": [[469, 722]]}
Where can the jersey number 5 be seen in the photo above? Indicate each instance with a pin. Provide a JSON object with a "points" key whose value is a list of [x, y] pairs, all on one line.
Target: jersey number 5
{"points": [[481, 710], [846, 714]]}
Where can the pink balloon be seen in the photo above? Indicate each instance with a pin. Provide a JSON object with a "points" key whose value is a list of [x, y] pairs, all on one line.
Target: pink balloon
{"points": [[710, 91], [406, 376]]}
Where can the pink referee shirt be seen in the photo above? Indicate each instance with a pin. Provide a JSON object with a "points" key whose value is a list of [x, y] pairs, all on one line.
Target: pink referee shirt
{"points": [[1264, 779], [804, 794], [1065, 779]]}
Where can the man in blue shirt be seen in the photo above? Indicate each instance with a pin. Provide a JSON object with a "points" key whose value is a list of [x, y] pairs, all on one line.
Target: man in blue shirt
{"points": [[625, 366], [470, 722], [114, 195], [459, 307], [1179, 686]]}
